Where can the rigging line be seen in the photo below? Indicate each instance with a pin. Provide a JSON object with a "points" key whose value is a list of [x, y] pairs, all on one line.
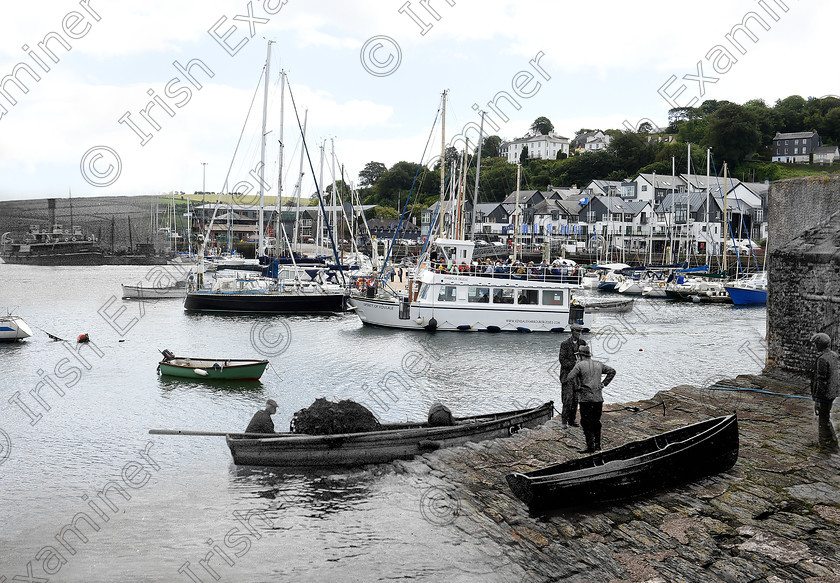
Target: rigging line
{"points": [[317, 188], [408, 198], [230, 168]]}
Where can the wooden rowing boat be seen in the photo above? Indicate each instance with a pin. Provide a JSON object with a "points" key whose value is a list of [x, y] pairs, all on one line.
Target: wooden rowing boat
{"points": [[638, 467], [228, 369], [395, 441]]}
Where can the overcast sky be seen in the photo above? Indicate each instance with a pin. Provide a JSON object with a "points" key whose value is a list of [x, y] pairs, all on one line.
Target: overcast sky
{"points": [[604, 64]]}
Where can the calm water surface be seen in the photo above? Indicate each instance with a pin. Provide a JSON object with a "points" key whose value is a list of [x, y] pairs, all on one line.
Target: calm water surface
{"points": [[173, 499]]}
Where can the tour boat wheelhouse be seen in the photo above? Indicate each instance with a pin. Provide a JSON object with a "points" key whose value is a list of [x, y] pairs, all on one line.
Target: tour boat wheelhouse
{"points": [[448, 292]]}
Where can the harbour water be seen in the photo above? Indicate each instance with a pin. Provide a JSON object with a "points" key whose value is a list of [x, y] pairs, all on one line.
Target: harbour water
{"points": [[74, 422]]}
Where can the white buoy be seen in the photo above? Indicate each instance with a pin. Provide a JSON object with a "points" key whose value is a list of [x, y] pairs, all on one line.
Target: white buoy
{"points": [[200, 371]]}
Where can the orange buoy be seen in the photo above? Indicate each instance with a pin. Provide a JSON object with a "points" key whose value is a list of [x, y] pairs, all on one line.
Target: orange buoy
{"points": [[83, 338]]}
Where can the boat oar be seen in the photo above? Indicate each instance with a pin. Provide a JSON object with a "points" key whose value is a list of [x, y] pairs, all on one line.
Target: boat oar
{"points": [[209, 433]]}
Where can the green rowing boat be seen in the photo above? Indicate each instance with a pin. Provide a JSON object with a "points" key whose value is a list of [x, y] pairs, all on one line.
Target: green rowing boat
{"points": [[228, 369]]}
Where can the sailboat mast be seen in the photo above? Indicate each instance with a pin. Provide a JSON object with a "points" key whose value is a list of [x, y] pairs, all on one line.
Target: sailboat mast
{"points": [[673, 211], [442, 164], [477, 173], [708, 191], [688, 208], [278, 223], [262, 150], [296, 236], [725, 221], [518, 222], [319, 236]]}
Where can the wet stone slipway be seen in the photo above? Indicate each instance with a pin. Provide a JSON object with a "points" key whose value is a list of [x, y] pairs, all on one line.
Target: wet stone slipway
{"points": [[774, 517]]}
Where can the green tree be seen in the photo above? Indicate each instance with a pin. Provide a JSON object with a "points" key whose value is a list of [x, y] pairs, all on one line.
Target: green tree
{"points": [[372, 172], [542, 125], [523, 157], [490, 147], [733, 133], [791, 112]]}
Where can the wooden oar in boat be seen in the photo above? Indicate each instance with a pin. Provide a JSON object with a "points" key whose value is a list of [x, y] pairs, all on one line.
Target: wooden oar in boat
{"points": [[210, 433]]}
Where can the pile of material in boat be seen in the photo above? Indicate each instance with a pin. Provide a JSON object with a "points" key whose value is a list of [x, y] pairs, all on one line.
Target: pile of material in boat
{"points": [[678, 456], [391, 442], [228, 369]]}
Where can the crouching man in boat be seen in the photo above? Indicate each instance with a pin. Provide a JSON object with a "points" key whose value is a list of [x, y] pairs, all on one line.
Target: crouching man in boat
{"points": [[261, 421], [590, 396], [568, 359], [825, 387]]}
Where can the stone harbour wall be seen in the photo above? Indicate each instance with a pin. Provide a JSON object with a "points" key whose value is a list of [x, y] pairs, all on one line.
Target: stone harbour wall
{"points": [[799, 204]]}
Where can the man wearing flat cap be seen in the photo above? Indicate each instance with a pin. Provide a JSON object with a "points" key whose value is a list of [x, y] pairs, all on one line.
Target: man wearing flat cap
{"points": [[590, 396], [261, 421], [825, 387], [568, 359]]}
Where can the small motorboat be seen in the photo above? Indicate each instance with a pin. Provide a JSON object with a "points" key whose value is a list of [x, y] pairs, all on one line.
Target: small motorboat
{"points": [[13, 328], [684, 454], [392, 442], [142, 292], [228, 369]]}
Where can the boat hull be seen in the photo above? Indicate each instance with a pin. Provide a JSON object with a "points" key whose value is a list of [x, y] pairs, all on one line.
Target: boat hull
{"points": [[386, 312], [139, 292], [221, 369], [636, 468], [402, 441], [13, 328], [277, 303], [747, 297]]}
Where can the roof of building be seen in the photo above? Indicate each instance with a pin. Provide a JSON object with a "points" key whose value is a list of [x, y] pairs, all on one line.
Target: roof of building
{"points": [[524, 195], [826, 150], [662, 180], [794, 135], [698, 181]]}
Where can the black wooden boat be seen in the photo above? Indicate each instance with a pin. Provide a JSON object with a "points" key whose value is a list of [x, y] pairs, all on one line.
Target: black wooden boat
{"points": [[638, 467]]}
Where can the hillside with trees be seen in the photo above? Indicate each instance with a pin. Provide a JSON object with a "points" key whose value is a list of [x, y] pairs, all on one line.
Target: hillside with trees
{"points": [[739, 134]]}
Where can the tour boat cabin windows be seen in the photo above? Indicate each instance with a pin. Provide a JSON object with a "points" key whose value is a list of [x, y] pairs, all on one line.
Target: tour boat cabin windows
{"points": [[478, 294], [502, 296], [424, 291], [529, 296], [446, 293], [552, 297]]}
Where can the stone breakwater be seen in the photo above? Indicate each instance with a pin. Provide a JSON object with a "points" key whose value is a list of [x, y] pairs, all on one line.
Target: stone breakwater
{"points": [[774, 517]]}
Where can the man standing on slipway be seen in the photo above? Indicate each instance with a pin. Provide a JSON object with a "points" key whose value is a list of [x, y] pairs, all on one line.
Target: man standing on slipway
{"points": [[568, 359], [590, 396]]}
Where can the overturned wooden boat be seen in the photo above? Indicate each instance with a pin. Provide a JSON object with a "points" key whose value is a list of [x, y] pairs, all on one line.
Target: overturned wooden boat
{"points": [[610, 305], [228, 369], [392, 442], [684, 454]]}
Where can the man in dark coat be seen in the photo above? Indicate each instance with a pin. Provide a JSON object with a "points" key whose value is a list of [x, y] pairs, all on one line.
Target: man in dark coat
{"points": [[568, 360], [825, 386], [590, 396], [261, 421]]}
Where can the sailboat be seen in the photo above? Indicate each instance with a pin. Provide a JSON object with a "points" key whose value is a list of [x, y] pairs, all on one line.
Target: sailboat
{"points": [[449, 291], [254, 293]]}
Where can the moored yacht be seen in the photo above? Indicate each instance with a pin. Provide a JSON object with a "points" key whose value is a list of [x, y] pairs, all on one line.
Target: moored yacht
{"points": [[13, 328]]}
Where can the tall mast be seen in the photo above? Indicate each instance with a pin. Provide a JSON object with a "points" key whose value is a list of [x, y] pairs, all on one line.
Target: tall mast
{"points": [[688, 206], [300, 180], [319, 236], [462, 191], [262, 150], [708, 190], [477, 173], [518, 222], [278, 223], [725, 221], [333, 198], [673, 199], [442, 163]]}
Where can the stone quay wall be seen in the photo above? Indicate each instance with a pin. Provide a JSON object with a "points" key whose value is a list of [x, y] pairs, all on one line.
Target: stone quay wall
{"points": [[803, 270]]}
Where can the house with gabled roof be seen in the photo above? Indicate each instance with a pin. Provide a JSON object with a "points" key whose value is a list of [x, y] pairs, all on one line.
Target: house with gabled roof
{"points": [[593, 141], [795, 147], [543, 147], [525, 198], [826, 155]]}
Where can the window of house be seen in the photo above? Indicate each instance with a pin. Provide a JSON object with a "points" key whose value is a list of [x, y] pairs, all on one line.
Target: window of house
{"points": [[804, 150], [796, 150], [478, 295], [528, 296], [446, 293], [644, 187], [553, 297], [502, 296]]}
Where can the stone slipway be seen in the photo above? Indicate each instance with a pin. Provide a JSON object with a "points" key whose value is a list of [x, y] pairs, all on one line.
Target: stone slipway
{"points": [[774, 517]]}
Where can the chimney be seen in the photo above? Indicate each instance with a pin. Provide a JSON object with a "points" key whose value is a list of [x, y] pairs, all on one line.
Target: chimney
{"points": [[51, 208]]}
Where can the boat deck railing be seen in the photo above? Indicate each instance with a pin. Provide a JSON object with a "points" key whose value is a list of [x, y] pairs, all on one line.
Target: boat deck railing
{"points": [[536, 273]]}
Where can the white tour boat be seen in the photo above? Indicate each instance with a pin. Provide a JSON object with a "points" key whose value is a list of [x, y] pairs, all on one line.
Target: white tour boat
{"points": [[451, 293], [13, 328]]}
